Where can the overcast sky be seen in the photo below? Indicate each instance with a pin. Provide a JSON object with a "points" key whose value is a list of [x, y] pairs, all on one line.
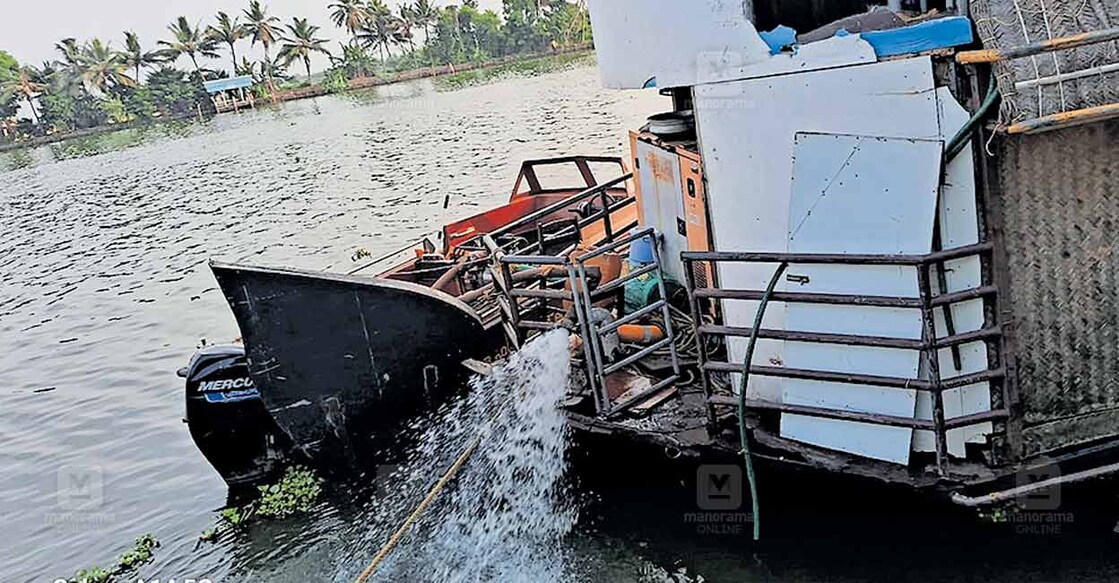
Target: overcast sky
{"points": [[30, 29]]}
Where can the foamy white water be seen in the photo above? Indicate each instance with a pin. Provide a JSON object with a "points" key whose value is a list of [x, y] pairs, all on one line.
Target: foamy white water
{"points": [[505, 515]]}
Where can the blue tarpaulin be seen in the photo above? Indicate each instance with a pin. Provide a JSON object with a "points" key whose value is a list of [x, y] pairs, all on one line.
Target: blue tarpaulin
{"points": [[940, 33]]}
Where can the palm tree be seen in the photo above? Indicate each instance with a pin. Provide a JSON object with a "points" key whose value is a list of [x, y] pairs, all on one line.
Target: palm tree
{"points": [[302, 43], [66, 76], [71, 51], [404, 25], [135, 57], [425, 14], [262, 26], [190, 41], [103, 68], [26, 84], [351, 15], [245, 67], [228, 31], [378, 30]]}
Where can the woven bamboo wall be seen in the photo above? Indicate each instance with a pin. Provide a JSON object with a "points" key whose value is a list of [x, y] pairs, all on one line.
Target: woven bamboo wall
{"points": [[1004, 24], [1060, 200]]}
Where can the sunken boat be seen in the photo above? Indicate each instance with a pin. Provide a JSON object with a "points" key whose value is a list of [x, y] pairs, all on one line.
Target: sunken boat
{"points": [[865, 267], [850, 260], [330, 365]]}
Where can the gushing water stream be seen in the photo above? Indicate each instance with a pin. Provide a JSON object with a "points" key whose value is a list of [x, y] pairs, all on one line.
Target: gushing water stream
{"points": [[505, 515]]}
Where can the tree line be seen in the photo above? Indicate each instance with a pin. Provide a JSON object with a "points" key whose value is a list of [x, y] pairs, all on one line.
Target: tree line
{"points": [[93, 82]]}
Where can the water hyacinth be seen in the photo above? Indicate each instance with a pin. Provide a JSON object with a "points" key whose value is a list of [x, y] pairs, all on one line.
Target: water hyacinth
{"points": [[139, 554], [295, 493]]}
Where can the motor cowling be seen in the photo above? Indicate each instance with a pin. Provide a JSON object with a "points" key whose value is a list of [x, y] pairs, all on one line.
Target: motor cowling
{"points": [[228, 421]]}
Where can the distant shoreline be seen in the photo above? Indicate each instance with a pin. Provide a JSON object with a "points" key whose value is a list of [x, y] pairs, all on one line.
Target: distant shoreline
{"points": [[308, 92]]}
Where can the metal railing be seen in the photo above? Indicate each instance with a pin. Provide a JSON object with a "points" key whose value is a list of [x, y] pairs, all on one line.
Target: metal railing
{"points": [[519, 295], [597, 366], [928, 346]]}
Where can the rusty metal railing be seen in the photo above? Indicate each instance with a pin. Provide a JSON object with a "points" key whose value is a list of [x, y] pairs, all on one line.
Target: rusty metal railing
{"points": [[527, 295], [928, 346]]}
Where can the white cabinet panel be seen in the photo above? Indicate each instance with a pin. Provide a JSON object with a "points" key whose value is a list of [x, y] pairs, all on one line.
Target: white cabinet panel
{"points": [[747, 130], [858, 194]]}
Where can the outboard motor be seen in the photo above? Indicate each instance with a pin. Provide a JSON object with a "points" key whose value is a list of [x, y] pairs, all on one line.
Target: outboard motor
{"points": [[227, 419]]}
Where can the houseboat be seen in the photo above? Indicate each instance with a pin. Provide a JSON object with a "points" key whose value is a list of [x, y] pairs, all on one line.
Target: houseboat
{"points": [[848, 257]]}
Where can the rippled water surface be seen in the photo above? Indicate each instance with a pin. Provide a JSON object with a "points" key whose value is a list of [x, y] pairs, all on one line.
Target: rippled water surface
{"points": [[104, 293]]}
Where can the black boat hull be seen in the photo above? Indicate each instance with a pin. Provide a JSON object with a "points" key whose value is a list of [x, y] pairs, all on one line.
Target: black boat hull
{"points": [[342, 361]]}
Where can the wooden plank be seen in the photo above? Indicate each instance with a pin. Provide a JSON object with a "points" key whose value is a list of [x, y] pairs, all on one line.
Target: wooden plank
{"points": [[654, 401], [1065, 119]]}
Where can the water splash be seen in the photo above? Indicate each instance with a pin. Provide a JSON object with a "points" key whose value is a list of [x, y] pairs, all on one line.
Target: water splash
{"points": [[506, 514]]}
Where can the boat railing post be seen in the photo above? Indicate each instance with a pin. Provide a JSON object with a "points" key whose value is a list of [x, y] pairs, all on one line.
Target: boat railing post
{"points": [[701, 347], [593, 336], [666, 309], [932, 359], [582, 317], [607, 221]]}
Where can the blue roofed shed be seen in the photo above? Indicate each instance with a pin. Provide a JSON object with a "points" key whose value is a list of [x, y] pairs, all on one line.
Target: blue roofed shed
{"points": [[219, 85], [230, 94]]}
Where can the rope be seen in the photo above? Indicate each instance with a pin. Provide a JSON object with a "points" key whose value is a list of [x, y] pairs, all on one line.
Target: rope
{"points": [[430, 497], [754, 505]]}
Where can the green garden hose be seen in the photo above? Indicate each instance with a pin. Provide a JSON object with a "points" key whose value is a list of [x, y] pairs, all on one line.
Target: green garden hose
{"points": [[754, 506], [962, 137]]}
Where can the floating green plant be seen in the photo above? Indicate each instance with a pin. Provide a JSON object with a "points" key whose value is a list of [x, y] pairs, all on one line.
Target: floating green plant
{"points": [[296, 492], [996, 514], [133, 558]]}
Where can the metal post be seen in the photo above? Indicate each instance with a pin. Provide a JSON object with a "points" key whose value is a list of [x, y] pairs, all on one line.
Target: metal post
{"points": [[514, 308], [932, 358], [607, 222], [701, 349], [666, 311], [599, 362], [588, 352]]}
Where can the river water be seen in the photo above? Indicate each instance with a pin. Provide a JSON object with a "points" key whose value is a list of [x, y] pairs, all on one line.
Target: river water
{"points": [[104, 293]]}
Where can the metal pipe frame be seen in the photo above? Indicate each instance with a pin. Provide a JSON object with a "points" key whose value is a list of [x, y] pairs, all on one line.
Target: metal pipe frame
{"points": [[701, 347], [599, 393], [622, 281], [811, 298], [649, 309], [838, 258], [860, 379], [873, 418], [601, 369], [854, 339], [932, 362], [929, 345], [593, 339], [560, 205]]}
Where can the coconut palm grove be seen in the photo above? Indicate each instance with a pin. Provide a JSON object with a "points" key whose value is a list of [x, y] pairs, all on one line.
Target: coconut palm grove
{"points": [[97, 82]]}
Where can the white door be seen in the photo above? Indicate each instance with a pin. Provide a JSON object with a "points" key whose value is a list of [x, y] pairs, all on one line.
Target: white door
{"points": [[662, 204]]}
